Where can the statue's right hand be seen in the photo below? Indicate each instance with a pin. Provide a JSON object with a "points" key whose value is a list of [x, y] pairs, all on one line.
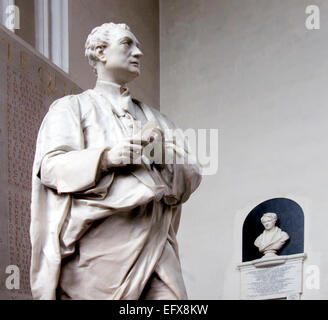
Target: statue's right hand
{"points": [[125, 152]]}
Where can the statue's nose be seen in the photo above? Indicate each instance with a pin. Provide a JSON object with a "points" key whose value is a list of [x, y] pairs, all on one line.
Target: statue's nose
{"points": [[137, 52]]}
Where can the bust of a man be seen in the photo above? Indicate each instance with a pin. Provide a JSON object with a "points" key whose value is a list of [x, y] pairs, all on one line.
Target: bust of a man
{"points": [[105, 211], [273, 238]]}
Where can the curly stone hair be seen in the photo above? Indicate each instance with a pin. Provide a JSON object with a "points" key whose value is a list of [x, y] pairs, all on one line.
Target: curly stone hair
{"points": [[100, 36], [269, 216]]}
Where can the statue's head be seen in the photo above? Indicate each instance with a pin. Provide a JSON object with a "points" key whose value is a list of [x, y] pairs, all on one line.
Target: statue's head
{"points": [[113, 49], [269, 220]]}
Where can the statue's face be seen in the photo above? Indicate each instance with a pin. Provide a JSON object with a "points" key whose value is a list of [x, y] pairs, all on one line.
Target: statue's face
{"points": [[122, 56], [268, 223]]}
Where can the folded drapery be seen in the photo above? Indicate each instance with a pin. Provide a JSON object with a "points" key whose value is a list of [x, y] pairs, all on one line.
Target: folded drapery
{"points": [[101, 234]]}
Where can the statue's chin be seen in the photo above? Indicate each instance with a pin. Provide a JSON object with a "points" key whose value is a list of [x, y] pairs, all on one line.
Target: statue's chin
{"points": [[136, 73], [132, 74]]}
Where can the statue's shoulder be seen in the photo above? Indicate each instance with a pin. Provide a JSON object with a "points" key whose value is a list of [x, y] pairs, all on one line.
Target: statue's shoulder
{"points": [[63, 101], [75, 102], [68, 101], [285, 235]]}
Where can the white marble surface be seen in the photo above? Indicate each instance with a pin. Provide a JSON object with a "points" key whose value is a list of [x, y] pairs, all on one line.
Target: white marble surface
{"points": [[272, 238]]}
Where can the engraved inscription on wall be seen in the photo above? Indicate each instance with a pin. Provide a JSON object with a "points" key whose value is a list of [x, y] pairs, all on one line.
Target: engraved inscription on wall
{"points": [[24, 111], [270, 281], [282, 278], [28, 85]]}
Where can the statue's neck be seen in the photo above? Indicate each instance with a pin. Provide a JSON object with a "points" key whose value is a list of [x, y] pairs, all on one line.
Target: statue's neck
{"points": [[111, 88], [113, 77], [273, 230]]}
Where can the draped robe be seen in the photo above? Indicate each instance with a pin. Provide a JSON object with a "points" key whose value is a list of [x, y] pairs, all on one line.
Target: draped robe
{"points": [[76, 207], [271, 239]]}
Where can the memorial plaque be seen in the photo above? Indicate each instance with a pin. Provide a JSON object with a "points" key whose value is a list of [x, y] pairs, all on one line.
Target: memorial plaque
{"points": [[28, 85], [272, 278]]}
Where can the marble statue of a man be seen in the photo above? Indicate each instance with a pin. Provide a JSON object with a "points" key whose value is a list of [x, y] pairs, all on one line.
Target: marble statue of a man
{"points": [[273, 238], [103, 224]]}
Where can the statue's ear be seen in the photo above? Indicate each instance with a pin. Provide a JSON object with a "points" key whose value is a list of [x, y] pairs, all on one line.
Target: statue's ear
{"points": [[100, 53]]}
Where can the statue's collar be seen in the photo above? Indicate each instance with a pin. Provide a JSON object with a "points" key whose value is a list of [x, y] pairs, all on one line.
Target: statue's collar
{"points": [[112, 88], [119, 96]]}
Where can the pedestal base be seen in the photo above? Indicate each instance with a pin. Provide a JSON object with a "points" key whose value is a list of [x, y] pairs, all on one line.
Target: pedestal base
{"points": [[274, 277]]}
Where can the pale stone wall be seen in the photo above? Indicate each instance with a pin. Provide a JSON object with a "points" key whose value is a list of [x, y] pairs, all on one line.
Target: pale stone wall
{"points": [[251, 69]]}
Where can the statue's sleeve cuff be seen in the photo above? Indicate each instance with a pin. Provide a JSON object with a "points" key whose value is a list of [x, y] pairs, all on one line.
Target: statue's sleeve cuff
{"points": [[72, 171]]}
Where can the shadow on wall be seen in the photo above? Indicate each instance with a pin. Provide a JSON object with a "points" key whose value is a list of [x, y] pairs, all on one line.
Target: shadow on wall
{"points": [[290, 219]]}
